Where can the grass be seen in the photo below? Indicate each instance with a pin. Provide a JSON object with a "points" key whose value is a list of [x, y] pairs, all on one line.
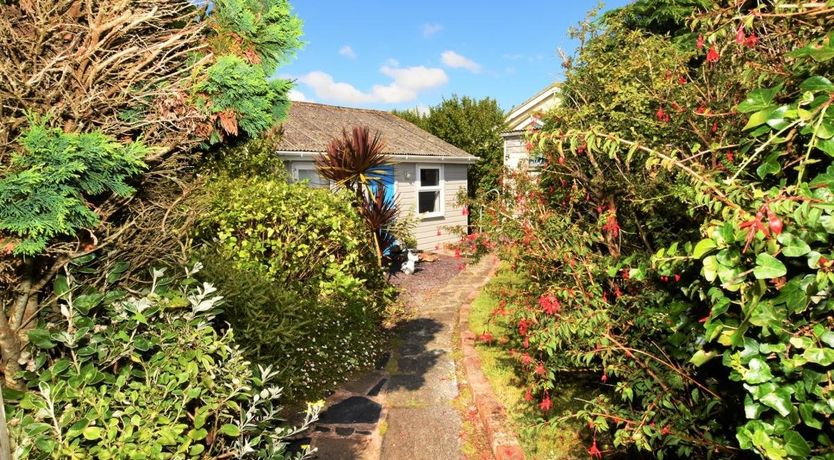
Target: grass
{"points": [[541, 440]]}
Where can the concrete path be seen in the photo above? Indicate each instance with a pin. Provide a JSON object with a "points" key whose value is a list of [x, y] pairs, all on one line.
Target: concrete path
{"points": [[404, 410]]}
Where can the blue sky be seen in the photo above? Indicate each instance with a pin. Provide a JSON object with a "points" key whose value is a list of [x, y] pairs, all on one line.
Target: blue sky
{"points": [[406, 54]]}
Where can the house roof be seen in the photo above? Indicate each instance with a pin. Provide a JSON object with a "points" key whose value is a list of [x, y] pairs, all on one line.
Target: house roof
{"points": [[309, 127], [520, 116]]}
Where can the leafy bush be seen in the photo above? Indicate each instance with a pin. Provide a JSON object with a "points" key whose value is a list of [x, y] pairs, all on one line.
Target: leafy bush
{"points": [[144, 376], [683, 214], [302, 285]]}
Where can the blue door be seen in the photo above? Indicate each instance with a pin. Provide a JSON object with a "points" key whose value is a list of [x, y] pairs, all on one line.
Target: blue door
{"points": [[385, 178]]}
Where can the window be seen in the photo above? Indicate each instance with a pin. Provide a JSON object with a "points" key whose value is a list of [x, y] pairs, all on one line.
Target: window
{"points": [[308, 172], [429, 191]]}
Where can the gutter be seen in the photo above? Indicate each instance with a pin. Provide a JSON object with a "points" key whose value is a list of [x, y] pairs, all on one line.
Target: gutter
{"points": [[398, 158]]}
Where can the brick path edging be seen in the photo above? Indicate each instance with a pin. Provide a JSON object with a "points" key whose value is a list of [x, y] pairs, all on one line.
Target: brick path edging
{"points": [[502, 440]]}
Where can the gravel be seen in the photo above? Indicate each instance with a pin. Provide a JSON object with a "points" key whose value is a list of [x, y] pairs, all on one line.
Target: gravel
{"points": [[428, 278]]}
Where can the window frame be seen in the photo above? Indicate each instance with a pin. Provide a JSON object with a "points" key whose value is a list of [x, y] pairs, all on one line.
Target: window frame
{"points": [[308, 166], [440, 187]]}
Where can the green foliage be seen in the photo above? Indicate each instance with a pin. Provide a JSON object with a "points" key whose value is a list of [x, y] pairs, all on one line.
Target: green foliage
{"points": [[266, 29], [660, 16], [240, 94], [683, 214], [145, 376], [295, 264], [49, 190], [472, 125]]}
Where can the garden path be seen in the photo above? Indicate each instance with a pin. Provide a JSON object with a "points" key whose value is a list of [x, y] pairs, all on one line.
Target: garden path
{"points": [[405, 409]]}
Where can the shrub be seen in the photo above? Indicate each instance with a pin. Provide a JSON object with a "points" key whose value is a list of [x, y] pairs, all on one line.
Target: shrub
{"points": [[144, 376], [302, 285], [683, 214]]}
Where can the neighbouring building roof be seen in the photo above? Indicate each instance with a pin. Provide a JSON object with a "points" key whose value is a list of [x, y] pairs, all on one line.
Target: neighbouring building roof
{"points": [[520, 116], [309, 127]]}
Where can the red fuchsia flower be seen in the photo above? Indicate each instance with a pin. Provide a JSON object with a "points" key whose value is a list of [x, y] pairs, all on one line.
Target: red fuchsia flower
{"points": [[751, 41], [626, 273], [486, 337], [714, 128], [665, 430], [700, 42], [677, 278], [546, 404], [712, 55], [682, 80], [528, 395], [604, 378], [594, 451], [700, 110], [581, 149], [540, 369], [617, 292], [741, 38], [730, 156], [549, 304], [526, 359], [664, 278]]}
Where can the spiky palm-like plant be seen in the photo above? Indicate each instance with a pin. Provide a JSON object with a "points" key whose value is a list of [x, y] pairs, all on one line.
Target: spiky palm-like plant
{"points": [[356, 161]]}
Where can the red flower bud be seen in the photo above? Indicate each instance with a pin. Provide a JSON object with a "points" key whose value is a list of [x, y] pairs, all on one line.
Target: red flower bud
{"points": [[700, 42], [775, 225], [740, 36]]}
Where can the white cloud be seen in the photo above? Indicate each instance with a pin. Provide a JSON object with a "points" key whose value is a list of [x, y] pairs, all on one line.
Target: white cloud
{"points": [[457, 61], [406, 84], [347, 52], [296, 95], [431, 28]]}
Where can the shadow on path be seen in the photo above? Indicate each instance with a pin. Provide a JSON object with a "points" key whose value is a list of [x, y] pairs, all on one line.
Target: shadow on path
{"points": [[412, 358]]}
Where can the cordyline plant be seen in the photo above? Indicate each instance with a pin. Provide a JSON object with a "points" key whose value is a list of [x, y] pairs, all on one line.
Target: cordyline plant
{"points": [[679, 240], [356, 161], [103, 105]]}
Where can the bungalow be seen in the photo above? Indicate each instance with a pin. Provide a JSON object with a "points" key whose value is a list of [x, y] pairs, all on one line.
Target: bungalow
{"points": [[426, 176], [519, 119]]}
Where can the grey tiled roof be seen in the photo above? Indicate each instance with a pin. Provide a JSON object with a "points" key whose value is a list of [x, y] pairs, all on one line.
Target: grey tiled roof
{"points": [[309, 127]]}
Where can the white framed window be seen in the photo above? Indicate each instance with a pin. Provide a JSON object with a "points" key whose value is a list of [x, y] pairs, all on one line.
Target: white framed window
{"points": [[429, 186], [308, 172]]}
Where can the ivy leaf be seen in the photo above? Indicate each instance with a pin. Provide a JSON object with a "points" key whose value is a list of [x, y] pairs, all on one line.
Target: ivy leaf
{"points": [[703, 247], [821, 356], [796, 445], [793, 246], [768, 267], [769, 166], [817, 83], [759, 372], [760, 117], [806, 410], [780, 400], [759, 99], [827, 146]]}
